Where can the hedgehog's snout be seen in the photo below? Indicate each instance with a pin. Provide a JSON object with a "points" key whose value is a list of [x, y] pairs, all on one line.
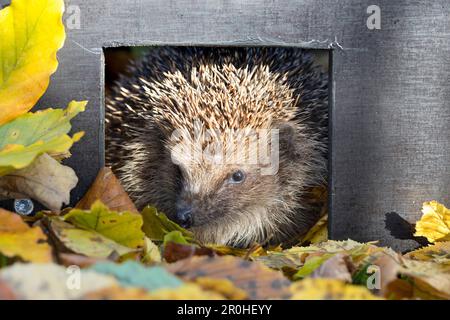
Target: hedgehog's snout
{"points": [[183, 215]]}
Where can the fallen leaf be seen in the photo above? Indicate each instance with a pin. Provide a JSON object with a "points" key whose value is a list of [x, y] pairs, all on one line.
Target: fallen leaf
{"points": [[71, 259], [318, 233], [117, 293], [438, 252], [176, 237], [174, 251], [252, 252], [28, 52], [109, 191], [435, 222], [151, 253], [336, 267], [17, 239], [52, 282], [157, 225], [329, 289], [295, 257], [188, 291], [133, 274], [122, 227], [259, 281], [223, 287], [86, 242], [380, 269], [32, 134], [45, 180], [389, 268], [399, 289], [310, 265], [429, 277]]}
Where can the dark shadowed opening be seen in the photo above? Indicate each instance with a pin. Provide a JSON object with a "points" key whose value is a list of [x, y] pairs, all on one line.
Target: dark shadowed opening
{"points": [[129, 93]]}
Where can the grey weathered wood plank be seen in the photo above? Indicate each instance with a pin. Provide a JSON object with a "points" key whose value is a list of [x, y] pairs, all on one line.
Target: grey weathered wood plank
{"points": [[390, 89]]}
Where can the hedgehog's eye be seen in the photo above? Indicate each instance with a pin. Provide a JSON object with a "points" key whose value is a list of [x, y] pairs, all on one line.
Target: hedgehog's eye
{"points": [[237, 177]]}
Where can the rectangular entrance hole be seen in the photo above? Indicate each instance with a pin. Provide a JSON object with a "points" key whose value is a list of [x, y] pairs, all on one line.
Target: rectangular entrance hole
{"points": [[157, 97]]}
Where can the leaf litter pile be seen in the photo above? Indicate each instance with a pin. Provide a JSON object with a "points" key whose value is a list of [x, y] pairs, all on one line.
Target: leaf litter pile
{"points": [[103, 248]]}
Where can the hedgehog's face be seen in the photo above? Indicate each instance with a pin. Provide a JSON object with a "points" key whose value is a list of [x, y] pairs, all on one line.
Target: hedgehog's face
{"points": [[228, 201], [221, 203]]}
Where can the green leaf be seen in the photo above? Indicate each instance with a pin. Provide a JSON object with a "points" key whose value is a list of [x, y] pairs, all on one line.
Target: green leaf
{"points": [[157, 225], [87, 242], [175, 236], [30, 135], [122, 227], [310, 265]]}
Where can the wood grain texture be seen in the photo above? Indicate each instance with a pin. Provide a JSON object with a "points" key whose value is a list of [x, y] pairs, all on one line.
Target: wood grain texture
{"points": [[390, 89]]}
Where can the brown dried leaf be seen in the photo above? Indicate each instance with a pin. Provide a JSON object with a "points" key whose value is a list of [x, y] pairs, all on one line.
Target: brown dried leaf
{"points": [[175, 251], [259, 281], [45, 180], [70, 259], [109, 191], [336, 267], [429, 277], [389, 268]]}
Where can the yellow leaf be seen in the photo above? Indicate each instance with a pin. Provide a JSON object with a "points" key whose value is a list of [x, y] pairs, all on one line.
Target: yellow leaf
{"points": [[329, 289], [222, 286], [17, 239], [435, 222], [31, 32], [438, 252], [151, 252], [318, 233], [252, 252], [189, 291]]}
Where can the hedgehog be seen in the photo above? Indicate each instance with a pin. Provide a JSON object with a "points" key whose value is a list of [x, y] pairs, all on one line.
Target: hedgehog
{"points": [[176, 102]]}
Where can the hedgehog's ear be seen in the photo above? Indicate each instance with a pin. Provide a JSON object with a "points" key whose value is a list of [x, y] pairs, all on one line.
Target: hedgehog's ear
{"points": [[287, 138]]}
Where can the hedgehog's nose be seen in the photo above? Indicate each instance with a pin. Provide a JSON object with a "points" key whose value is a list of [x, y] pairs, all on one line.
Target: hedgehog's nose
{"points": [[184, 216]]}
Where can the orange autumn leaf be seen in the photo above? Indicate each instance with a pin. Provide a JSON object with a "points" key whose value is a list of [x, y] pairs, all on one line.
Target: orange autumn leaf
{"points": [[109, 191], [17, 239]]}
